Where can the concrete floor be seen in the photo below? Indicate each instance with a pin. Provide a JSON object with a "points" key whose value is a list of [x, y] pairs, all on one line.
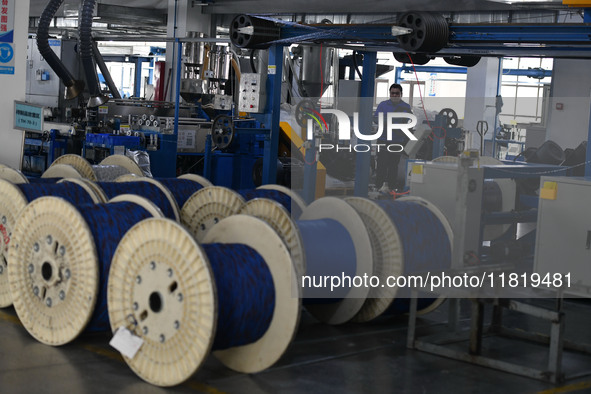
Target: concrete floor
{"points": [[350, 358]]}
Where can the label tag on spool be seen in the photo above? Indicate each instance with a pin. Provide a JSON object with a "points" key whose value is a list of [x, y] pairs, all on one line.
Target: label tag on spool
{"points": [[126, 342]]}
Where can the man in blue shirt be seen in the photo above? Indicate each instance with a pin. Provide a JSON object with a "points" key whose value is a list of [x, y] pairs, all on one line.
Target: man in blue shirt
{"points": [[387, 162]]}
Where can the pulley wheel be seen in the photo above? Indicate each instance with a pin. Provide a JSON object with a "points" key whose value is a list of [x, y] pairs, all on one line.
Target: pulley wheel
{"points": [[429, 32], [451, 118], [417, 58], [303, 111], [251, 32], [465, 61], [222, 131]]}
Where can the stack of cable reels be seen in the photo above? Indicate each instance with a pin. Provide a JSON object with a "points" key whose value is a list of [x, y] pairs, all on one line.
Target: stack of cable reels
{"points": [[395, 254], [330, 239], [248, 327], [13, 200], [58, 263], [67, 166], [207, 207]]}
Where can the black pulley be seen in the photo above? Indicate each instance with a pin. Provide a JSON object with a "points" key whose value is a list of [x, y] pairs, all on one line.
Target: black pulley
{"points": [[417, 58], [430, 32], [465, 61], [222, 131], [451, 118], [304, 110], [251, 32]]}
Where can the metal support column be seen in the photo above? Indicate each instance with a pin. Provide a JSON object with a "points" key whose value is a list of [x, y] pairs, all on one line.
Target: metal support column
{"points": [[310, 168], [137, 86], [362, 159], [588, 156], [275, 69]]}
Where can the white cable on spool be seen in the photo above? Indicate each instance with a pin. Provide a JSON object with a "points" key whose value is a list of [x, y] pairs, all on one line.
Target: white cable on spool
{"points": [[109, 169]]}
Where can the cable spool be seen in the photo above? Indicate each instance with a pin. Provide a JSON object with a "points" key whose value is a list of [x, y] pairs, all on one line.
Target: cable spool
{"points": [[349, 244], [279, 218], [207, 207], [430, 32], [297, 203], [12, 175], [255, 324], [427, 249], [148, 188], [13, 200], [196, 178], [508, 190], [108, 170], [255, 356], [88, 185], [61, 171], [259, 32], [181, 189], [61, 290], [122, 161], [15, 176], [173, 269], [394, 228], [336, 213], [275, 195]]}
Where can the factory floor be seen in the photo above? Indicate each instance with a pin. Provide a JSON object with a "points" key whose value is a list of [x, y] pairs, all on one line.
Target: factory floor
{"points": [[352, 358]]}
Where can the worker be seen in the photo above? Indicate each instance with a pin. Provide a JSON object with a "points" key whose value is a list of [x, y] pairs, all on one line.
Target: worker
{"points": [[387, 161]]}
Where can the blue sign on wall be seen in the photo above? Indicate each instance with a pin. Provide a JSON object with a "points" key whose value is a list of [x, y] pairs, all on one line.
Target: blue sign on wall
{"points": [[28, 116]]}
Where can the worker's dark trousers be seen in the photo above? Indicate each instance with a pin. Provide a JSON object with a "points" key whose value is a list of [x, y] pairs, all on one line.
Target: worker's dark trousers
{"points": [[387, 168]]}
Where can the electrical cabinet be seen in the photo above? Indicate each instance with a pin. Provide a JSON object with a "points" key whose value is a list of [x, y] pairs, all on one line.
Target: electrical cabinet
{"points": [[563, 239]]}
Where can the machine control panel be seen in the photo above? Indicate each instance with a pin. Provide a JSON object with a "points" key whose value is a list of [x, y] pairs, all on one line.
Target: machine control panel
{"points": [[253, 94]]}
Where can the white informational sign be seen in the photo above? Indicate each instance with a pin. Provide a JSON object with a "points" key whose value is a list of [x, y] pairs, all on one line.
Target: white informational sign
{"points": [[7, 36]]}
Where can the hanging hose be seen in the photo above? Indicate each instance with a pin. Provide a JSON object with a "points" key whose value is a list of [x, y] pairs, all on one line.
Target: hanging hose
{"points": [[356, 65], [100, 62], [73, 87], [86, 56], [251, 57]]}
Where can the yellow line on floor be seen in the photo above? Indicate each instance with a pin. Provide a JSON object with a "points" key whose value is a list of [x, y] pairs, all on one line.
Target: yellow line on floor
{"points": [[113, 355], [8, 317], [202, 387], [567, 389]]}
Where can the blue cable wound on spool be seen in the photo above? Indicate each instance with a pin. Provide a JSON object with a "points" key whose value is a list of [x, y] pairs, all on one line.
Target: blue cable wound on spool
{"points": [[108, 224], [274, 195], [71, 192], [43, 180], [143, 189], [425, 242], [425, 245], [181, 189], [329, 252], [246, 294]]}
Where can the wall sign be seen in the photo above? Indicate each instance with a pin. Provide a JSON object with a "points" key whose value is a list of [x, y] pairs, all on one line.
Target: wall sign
{"points": [[7, 36], [28, 116]]}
